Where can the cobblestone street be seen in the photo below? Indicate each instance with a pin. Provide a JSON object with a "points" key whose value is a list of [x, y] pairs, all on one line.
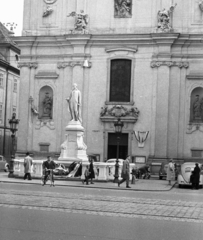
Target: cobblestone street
{"points": [[125, 207]]}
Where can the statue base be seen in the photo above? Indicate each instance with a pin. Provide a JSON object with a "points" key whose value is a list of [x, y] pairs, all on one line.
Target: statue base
{"points": [[73, 148]]}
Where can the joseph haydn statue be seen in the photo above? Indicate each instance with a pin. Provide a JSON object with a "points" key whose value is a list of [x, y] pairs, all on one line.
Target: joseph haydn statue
{"points": [[74, 104]]}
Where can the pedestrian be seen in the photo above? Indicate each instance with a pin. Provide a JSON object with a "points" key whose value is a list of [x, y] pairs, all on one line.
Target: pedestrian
{"points": [[27, 166], [192, 180], [134, 172], [196, 176], [170, 171], [48, 167], [125, 174], [91, 170], [86, 174]]}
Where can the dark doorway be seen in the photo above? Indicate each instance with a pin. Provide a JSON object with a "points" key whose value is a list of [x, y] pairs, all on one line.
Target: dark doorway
{"points": [[112, 145]]}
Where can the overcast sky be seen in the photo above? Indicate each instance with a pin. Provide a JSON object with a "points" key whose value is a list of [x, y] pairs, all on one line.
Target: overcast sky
{"points": [[12, 11]]}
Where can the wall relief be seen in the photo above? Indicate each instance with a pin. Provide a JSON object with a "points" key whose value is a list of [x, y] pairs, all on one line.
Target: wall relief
{"points": [[119, 111], [122, 8]]}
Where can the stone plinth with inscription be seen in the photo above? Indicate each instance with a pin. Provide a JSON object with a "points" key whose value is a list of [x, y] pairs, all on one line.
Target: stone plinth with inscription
{"points": [[73, 148]]}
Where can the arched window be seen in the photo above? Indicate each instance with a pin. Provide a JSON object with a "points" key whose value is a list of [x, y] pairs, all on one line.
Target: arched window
{"points": [[196, 107], [120, 80], [46, 103]]}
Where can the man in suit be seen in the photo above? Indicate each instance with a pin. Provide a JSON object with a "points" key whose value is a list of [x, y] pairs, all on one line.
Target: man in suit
{"points": [[27, 166], [125, 174]]}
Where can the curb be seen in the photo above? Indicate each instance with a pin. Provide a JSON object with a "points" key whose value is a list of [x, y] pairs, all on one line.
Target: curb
{"points": [[95, 187]]}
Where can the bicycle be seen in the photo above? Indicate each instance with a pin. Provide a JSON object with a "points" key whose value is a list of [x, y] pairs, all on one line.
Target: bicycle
{"points": [[49, 177]]}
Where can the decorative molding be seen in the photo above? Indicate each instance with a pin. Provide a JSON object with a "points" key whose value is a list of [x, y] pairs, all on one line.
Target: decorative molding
{"points": [[45, 122], [47, 12], [193, 127], [169, 64], [109, 113], [72, 64], [195, 75], [50, 1], [108, 50], [27, 64], [47, 75]]}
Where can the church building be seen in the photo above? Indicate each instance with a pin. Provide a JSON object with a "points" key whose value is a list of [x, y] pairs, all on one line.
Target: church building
{"points": [[139, 61]]}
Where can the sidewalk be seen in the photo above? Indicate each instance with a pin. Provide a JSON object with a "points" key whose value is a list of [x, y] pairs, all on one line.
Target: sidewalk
{"points": [[152, 184]]}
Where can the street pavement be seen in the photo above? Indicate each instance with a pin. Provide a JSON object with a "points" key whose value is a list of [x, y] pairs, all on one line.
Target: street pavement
{"points": [[151, 209]]}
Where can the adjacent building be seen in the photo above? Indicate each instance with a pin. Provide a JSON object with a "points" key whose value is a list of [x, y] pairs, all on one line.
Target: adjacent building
{"points": [[9, 86], [140, 61]]}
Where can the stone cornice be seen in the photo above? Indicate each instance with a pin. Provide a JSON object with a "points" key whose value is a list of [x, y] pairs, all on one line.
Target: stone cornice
{"points": [[169, 64], [134, 50], [28, 64]]}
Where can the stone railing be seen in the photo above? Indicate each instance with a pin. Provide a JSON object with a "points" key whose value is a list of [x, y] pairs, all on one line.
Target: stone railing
{"points": [[103, 171]]}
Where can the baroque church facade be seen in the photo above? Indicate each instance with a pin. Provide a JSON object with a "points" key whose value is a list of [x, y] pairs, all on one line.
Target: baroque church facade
{"points": [[137, 60]]}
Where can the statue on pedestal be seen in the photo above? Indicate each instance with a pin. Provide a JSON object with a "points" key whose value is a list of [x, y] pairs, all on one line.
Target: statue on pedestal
{"points": [[74, 104]]}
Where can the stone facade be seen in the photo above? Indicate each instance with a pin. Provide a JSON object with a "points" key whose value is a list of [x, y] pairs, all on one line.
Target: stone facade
{"points": [[166, 70], [9, 86]]}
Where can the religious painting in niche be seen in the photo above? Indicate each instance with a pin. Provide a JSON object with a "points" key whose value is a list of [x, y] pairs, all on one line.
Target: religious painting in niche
{"points": [[120, 80], [196, 108], [122, 8], [46, 103]]}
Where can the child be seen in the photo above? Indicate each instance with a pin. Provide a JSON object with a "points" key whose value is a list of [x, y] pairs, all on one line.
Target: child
{"points": [[86, 174]]}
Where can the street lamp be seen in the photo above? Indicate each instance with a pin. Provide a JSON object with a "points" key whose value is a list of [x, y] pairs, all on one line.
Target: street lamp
{"points": [[13, 128], [118, 130]]}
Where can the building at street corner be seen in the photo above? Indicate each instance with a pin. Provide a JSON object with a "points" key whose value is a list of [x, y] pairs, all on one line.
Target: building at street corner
{"points": [[9, 86], [140, 61]]}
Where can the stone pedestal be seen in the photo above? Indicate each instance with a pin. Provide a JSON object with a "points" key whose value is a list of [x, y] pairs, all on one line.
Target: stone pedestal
{"points": [[73, 148]]}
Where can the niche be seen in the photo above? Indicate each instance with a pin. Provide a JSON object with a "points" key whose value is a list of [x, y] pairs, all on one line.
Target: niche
{"points": [[196, 105], [45, 103]]}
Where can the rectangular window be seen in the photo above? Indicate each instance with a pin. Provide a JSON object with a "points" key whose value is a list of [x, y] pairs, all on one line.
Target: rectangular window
{"points": [[1, 79], [120, 80], [15, 85], [197, 153], [1, 112]]}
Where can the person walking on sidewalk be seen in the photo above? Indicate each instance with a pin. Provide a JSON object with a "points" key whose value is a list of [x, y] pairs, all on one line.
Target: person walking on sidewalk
{"points": [[91, 170], [48, 167], [86, 174], [27, 165], [170, 171], [196, 176], [125, 174]]}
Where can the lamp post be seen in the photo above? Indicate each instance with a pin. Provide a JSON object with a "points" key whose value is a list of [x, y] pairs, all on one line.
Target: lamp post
{"points": [[13, 128], [118, 130]]}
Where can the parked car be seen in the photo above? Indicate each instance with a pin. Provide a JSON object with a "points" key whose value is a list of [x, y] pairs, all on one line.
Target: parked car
{"points": [[163, 170], [113, 160], [185, 173], [4, 166]]}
